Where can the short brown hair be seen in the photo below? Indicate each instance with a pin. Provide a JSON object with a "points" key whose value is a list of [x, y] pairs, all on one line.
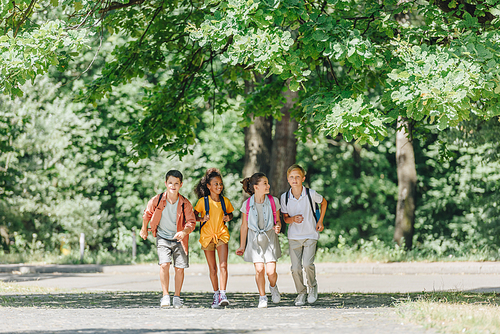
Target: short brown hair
{"points": [[294, 167]]}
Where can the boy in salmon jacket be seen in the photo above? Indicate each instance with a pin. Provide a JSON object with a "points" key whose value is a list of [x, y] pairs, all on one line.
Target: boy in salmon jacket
{"points": [[172, 219]]}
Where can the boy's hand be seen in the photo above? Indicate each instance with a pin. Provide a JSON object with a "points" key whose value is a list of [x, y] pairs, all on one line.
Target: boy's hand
{"points": [[277, 228], [205, 218], [240, 251], [319, 226], [180, 235], [226, 218], [297, 219], [144, 233]]}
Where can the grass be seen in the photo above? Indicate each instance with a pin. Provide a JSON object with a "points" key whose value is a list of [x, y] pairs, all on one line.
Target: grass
{"points": [[454, 312], [7, 288]]}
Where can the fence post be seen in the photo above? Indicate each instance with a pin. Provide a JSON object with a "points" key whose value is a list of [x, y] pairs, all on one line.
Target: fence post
{"points": [[134, 244], [82, 246]]}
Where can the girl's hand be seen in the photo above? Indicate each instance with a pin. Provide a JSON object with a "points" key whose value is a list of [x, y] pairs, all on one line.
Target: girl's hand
{"points": [[226, 218], [240, 251], [277, 228], [205, 218]]}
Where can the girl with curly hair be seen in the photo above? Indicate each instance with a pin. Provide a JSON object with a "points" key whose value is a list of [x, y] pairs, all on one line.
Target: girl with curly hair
{"points": [[213, 210]]}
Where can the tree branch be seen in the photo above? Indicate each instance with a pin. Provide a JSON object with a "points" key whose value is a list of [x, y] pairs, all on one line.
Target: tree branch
{"points": [[117, 5], [471, 9]]}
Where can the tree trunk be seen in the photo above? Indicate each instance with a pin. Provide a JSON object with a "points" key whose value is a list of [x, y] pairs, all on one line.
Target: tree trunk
{"points": [[284, 149], [258, 141], [407, 182]]}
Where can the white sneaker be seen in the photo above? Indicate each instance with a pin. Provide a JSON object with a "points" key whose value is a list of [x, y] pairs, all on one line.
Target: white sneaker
{"points": [[275, 294], [300, 300], [177, 302], [313, 294], [262, 302], [165, 301], [223, 300]]}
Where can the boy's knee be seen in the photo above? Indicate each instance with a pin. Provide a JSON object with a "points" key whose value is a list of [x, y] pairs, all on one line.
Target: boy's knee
{"points": [[165, 266], [259, 269], [296, 269], [309, 266]]}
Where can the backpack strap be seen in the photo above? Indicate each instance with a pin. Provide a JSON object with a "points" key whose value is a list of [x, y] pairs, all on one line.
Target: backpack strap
{"points": [[310, 202], [248, 206], [159, 199], [273, 207], [207, 210], [223, 204], [287, 195]]}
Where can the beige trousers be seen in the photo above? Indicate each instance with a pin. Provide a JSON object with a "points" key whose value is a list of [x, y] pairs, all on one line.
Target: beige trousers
{"points": [[302, 253]]}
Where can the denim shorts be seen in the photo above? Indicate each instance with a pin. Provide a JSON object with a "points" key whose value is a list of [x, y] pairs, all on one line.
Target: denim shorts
{"points": [[169, 250]]}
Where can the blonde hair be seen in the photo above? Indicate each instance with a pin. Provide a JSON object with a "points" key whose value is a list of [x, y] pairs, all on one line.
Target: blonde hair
{"points": [[294, 167]]}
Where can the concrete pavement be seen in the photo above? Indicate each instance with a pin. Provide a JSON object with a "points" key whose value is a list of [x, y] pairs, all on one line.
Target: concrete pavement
{"points": [[332, 277], [125, 299]]}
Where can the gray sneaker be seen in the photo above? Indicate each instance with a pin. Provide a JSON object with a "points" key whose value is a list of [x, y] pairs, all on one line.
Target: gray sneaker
{"points": [[313, 295], [275, 294], [300, 300], [177, 302], [165, 301]]}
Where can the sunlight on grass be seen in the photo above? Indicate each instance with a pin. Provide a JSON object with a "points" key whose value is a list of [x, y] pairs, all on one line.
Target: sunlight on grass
{"points": [[6, 288], [455, 312]]}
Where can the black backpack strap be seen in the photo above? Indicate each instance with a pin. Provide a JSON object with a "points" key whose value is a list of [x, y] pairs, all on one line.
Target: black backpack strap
{"points": [[312, 207], [207, 210], [223, 204], [159, 199], [287, 195]]}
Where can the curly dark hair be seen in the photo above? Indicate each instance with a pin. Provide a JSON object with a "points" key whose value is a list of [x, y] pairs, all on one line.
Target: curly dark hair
{"points": [[201, 189], [250, 182]]}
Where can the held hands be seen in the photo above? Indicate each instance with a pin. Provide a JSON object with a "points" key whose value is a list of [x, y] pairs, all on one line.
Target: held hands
{"points": [[240, 251], [226, 218], [205, 218]]}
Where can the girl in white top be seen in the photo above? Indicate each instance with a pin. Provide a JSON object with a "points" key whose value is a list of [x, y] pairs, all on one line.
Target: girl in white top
{"points": [[259, 241]]}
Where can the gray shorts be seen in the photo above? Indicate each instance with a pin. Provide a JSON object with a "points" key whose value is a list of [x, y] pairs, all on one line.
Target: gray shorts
{"points": [[171, 249]]}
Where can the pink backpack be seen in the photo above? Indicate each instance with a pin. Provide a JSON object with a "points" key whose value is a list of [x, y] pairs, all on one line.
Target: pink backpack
{"points": [[273, 207]]}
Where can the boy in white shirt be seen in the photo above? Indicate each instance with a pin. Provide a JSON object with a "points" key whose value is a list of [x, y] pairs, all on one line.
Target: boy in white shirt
{"points": [[299, 211]]}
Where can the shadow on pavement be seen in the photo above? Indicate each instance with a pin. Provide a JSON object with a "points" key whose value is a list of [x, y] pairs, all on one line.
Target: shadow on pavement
{"points": [[141, 299], [136, 331], [15, 278]]}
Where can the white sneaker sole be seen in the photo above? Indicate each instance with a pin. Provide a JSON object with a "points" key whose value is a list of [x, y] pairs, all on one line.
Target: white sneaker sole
{"points": [[224, 303]]}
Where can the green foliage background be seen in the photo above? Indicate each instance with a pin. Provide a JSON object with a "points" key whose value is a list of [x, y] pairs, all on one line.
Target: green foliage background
{"points": [[80, 133]]}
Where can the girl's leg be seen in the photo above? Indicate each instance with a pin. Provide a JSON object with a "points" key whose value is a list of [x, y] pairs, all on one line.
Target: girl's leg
{"points": [[260, 278], [272, 275], [212, 267], [222, 250]]}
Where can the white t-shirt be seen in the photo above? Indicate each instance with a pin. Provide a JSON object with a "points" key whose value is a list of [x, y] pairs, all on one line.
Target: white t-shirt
{"points": [[301, 206]]}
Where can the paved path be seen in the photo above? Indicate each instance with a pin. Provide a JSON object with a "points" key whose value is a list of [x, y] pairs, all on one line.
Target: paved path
{"points": [[124, 299], [332, 277]]}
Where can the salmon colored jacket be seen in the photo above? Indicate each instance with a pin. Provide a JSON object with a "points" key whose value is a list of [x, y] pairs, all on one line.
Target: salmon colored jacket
{"points": [[185, 216]]}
